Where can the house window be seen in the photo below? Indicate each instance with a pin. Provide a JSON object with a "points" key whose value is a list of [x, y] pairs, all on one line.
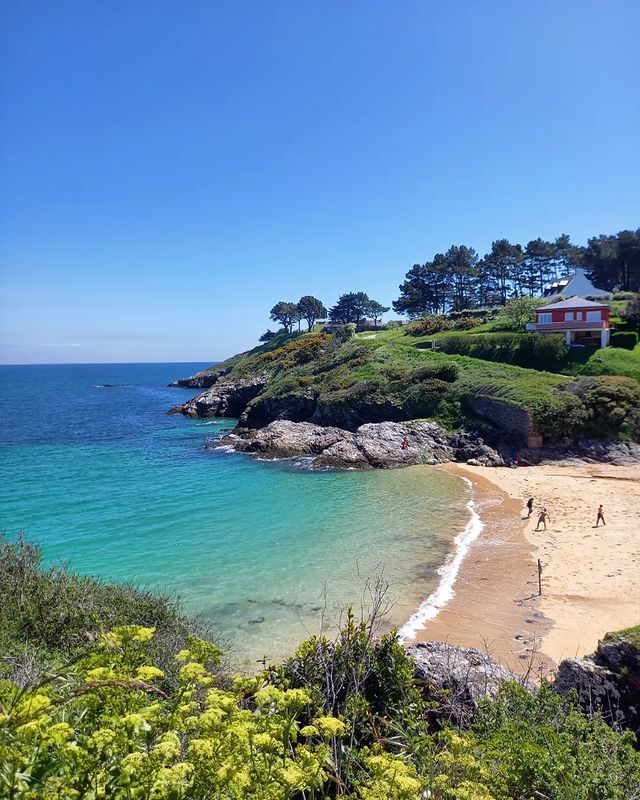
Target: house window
{"points": [[544, 319], [592, 316], [569, 316]]}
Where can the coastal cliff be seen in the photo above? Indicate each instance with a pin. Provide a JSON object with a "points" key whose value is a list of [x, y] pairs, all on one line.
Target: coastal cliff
{"points": [[363, 402]]}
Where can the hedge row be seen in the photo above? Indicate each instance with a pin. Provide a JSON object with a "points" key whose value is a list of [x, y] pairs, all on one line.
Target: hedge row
{"points": [[626, 339], [523, 350]]}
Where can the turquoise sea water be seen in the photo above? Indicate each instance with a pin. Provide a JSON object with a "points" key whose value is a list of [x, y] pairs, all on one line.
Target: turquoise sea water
{"points": [[95, 471]]}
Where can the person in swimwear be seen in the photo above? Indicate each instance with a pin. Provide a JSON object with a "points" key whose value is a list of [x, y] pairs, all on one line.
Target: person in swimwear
{"points": [[543, 516]]}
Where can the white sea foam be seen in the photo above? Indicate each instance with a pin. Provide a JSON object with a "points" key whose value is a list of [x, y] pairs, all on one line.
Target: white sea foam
{"points": [[448, 572]]}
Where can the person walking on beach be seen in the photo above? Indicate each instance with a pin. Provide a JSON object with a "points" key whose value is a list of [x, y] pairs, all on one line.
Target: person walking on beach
{"points": [[543, 516], [600, 516], [405, 443], [530, 506]]}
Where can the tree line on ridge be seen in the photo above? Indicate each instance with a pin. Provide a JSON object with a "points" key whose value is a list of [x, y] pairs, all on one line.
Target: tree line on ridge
{"points": [[460, 279]]}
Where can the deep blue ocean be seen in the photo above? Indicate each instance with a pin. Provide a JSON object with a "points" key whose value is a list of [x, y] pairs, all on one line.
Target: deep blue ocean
{"points": [[94, 471]]}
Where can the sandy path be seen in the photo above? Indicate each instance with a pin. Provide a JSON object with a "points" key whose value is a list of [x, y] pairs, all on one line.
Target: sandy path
{"points": [[591, 577]]}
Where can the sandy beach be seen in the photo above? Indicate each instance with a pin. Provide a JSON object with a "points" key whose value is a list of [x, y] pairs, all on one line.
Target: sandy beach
{"points": [[590, 576]]}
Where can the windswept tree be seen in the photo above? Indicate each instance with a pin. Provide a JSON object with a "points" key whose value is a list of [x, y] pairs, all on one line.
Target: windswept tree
{"points": [[613, 262], [267, 336], [537, 267], [351, 307], [376, 310], [424, 290], [567, 256], [286, 314], [462, 271], [311, 309], [500, 268]]}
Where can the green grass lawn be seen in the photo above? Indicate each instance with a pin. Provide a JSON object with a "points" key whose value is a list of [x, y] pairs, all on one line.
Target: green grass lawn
{"points": [[609, 361]]}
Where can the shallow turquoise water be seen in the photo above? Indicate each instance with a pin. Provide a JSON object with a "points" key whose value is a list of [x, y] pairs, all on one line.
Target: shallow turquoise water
{"points": [[103, 479]]}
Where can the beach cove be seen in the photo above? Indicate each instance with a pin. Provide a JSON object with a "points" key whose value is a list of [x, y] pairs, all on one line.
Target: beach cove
{"points": [[590, 577]]}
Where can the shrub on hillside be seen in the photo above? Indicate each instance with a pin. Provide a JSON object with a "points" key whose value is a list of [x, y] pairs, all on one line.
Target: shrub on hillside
{"points": [[422, 399], [300, 350], [58, 612], [626, 339], [612, 404], [466, 323], [516, 313], [631, 313], [425, 326], [442, 370]]}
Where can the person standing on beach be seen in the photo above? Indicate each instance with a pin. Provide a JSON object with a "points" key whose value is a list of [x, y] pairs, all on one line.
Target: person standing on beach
{"points": [[530, 506], [543, 516], [600, 516]]}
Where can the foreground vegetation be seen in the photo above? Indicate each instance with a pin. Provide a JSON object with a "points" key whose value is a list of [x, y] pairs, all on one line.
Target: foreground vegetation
{"points": [[345, 718]]}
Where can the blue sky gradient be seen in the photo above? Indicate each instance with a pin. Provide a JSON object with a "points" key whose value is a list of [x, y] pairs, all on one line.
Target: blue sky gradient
{"points": [[171, 170]]}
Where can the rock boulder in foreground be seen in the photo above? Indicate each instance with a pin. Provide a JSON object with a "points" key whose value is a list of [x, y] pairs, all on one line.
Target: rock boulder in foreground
{"points": [[607, 682], [373, 445], [456, 679]]}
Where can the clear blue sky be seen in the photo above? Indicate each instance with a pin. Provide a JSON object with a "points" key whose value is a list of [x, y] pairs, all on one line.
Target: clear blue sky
{"points": [[172, 169]]}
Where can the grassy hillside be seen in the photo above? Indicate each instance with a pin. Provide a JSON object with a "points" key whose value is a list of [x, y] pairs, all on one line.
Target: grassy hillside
{"points": [[373, 377], [610, 361]]}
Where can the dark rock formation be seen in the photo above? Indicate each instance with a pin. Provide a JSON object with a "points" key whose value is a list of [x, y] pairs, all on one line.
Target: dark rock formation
{"points": [[377, 445], [597, 688], [456, 679], [201, 380], [608, 681], [263, 410], [582, 451], [225, 398]]}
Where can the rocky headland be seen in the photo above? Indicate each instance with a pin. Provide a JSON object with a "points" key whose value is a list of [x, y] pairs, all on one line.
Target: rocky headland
{"points": [[367, 432]]}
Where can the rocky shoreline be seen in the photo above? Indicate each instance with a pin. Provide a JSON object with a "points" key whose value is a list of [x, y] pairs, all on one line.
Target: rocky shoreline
{"points": [[373, 445]]}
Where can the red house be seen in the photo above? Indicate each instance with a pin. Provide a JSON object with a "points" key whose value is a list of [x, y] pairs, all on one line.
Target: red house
{"points": [[582, 321]]}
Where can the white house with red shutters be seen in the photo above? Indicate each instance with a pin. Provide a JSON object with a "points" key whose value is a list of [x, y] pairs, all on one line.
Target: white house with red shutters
{"points": [[582, 322]]}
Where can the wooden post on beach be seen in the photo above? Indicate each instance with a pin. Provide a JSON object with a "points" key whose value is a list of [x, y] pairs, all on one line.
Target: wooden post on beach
{"points": [[539, 578]]}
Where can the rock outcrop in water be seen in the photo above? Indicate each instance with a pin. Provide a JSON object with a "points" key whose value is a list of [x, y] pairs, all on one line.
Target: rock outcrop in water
{"points": [[223, 398], [377, 445]]}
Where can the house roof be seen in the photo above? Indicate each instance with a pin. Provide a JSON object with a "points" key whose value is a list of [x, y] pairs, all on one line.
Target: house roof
{"points": [[576, 284], [572, 302]]}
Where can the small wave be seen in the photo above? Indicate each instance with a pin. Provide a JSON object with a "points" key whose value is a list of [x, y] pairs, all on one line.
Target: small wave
{"points": [[225, 448], [448, 572], [302, 462]]}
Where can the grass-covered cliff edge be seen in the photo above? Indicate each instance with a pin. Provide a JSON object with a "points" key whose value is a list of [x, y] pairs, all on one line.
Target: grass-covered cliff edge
{"points": [[92, 711], [347, 380]]}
